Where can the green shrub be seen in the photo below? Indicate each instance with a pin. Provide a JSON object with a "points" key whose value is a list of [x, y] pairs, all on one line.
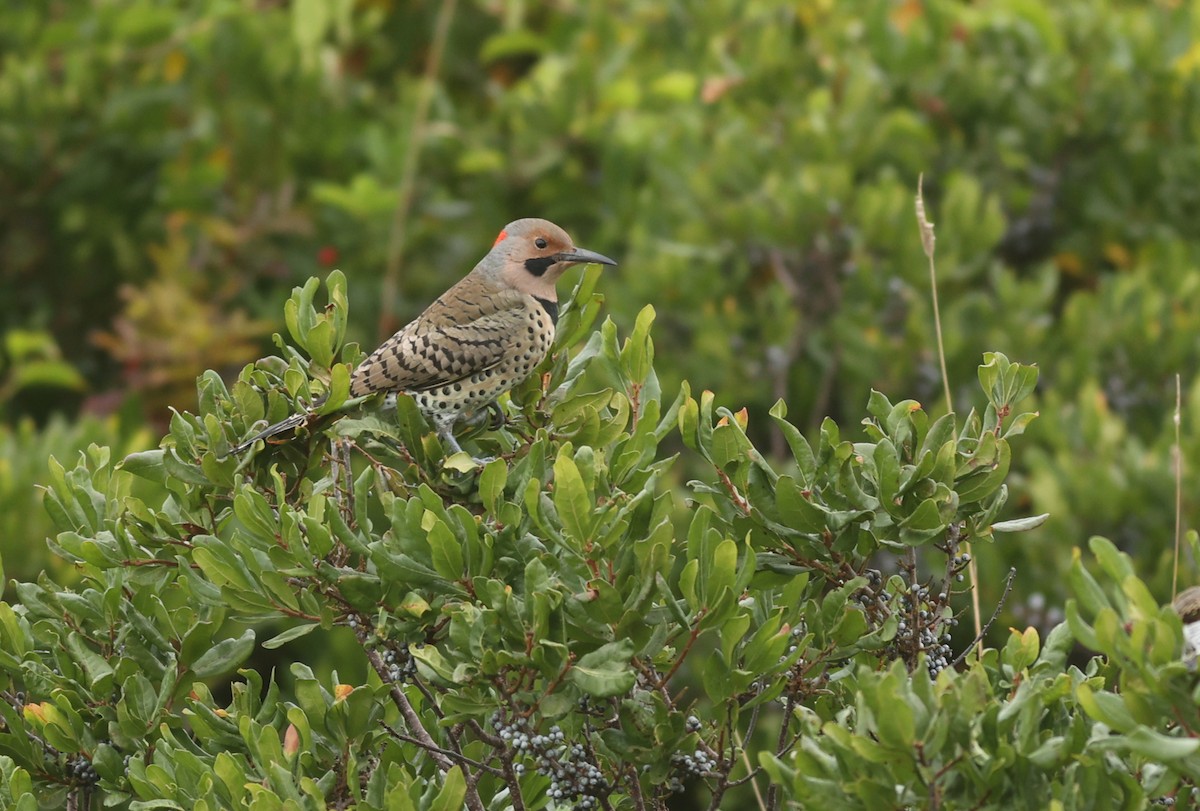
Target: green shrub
{"points": [[751, 161], [27, 466], [558, 628]]}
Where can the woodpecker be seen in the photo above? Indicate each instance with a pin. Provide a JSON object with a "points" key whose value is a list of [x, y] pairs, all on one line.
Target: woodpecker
{"points": [[479, 339]]}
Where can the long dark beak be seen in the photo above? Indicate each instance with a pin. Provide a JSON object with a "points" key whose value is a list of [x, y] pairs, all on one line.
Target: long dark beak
{"points": [[582, 256]]}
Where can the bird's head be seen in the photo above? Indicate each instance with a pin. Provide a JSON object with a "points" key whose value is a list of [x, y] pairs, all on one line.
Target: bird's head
{"points": [[531, 254]]}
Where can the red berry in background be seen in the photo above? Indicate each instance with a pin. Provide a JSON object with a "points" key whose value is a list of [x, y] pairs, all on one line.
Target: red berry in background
{"points": [[327, 256]]}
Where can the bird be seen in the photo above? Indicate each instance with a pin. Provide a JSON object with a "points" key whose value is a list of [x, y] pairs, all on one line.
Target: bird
{"points": [[476, 341]]}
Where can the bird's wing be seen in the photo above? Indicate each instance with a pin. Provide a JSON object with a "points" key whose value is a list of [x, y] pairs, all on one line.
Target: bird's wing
{"points": [[452, 340]]}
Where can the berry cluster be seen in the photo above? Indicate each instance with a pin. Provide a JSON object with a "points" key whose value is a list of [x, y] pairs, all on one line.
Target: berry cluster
{"points": [[1184, 796], [938, 653], [574, 777], [794, 636], [400, 665], [697, 764], [81, 772], [958, 563], [930, 632]]}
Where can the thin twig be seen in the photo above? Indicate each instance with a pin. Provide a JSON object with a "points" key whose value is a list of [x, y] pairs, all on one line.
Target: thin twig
{"points": [[635, 788], [928, 242], [773, 789], [1178, 450], [424, 739], [400, 736], [412, 158], [1008, 581], [687, 647], [750, 772]]}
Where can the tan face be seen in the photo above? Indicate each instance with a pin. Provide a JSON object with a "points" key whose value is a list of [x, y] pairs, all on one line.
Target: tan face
{"points": [[535, 253]]}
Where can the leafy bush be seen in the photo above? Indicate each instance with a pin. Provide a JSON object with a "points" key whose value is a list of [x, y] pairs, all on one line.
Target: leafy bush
{"points": [[558, 628], [751, 161], [27, 464]]}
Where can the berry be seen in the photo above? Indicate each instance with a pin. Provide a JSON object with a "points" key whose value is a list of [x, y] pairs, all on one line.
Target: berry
{"points": [[81, 772], [573, 776]]}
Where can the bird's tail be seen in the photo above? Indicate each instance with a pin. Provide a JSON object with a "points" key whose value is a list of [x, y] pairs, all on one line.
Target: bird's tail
{"points": [[294, 421]]}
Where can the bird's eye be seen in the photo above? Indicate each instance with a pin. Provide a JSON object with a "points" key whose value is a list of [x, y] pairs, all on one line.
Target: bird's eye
{"points": [[540, 242]]}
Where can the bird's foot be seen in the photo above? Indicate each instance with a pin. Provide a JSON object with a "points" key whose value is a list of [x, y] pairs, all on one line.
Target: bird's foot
{"points": [[498, 418], [491, 417]]}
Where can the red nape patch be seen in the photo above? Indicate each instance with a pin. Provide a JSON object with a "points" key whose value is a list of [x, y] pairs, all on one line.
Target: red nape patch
{"points": [[503, 236]]}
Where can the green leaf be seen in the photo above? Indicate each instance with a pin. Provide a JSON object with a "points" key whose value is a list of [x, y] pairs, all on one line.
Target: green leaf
{"points": [[13, 638], [446, 551], [571, 496], [281, 639], [492, 480], [97, 668], [638, 353], [940, 433], [454, 789], [1020, 524], [1159, 747], [606, 671], [796, 510], [850, 629], [1085, 588], [339, 389], [1106, 708], [986, 479], [924, 521], [897, 726], [1022, 648], [723, 571], [224, 656], [887, 473], [689, 423], [806, 462], [146, 464], [1115, 563]]}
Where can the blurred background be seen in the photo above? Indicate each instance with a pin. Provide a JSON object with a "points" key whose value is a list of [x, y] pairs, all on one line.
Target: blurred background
{"points": [[169, 170]]}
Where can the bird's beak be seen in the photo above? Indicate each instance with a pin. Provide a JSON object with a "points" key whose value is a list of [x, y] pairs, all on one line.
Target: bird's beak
{"points": [[582, 256]]}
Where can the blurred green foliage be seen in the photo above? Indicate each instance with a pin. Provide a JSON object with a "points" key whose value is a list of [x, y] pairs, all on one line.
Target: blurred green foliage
{"points": [[167, 171]]}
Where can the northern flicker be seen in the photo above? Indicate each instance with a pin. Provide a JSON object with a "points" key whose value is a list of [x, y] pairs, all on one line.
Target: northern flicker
{"points": [[480, 338]]}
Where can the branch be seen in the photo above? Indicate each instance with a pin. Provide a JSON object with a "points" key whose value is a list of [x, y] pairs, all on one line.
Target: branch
{"points": [[773, 791], [421, 736], [1012, 573], [411, 718], [449, 753], [687, 647]]}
